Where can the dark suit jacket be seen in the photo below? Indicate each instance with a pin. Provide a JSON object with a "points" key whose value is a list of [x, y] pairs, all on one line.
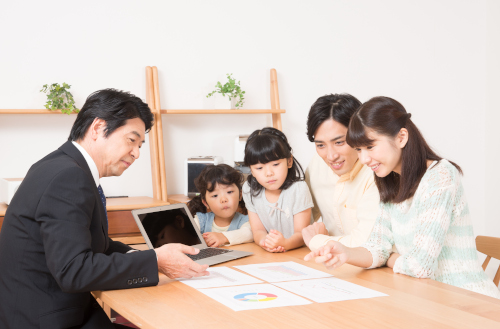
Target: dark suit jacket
{"points": [[54, 249]]}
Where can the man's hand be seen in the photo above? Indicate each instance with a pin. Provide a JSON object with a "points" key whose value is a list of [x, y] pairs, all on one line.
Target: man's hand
{"points": [[214, 239], [173, 262], [332, 255], [310, 231]]}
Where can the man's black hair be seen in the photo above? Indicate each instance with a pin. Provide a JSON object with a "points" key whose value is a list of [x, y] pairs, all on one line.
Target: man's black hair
{"points": [[339, 107], [113, 106]]}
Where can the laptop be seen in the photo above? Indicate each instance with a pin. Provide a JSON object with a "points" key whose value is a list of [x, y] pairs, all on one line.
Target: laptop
{"points": [[174, 224]]}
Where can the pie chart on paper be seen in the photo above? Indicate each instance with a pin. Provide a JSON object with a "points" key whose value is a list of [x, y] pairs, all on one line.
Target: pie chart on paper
{"points": [[255, 297]]}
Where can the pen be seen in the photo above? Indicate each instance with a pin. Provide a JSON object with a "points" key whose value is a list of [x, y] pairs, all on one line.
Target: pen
{"points": [[118, 196]]}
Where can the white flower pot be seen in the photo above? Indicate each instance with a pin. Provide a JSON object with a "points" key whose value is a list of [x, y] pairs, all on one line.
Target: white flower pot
{"points": [[223, 102]]}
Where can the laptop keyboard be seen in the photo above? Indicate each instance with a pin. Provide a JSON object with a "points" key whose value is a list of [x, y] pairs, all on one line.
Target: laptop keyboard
{"points": [[208, 252]]}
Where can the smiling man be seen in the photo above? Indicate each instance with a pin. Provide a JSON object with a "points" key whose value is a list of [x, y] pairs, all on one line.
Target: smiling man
{"points": [[54, 244], [344, 192]]}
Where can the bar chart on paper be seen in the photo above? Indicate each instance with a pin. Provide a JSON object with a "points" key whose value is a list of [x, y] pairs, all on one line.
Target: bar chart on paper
{"points": [[220, 277], [329, 290], [282, 271]]}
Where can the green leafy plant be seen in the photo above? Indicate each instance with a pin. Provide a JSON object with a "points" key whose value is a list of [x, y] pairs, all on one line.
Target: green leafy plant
{"points": [[231, 88], [59, 98]]}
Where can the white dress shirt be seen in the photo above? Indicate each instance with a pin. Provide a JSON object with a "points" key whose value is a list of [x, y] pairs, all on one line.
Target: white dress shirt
{"points": [[90, 163]]}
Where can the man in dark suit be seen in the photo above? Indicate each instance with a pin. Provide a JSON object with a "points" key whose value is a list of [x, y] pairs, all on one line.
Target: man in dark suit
{"points": [[54, 246]]}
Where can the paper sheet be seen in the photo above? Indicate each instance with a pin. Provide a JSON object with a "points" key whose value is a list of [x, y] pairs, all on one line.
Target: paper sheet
{"points": [[329, 290], [282, 271], [253, 297], [220, 277]]}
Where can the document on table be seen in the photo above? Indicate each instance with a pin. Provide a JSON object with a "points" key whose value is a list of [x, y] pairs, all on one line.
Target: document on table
{"points": [[329, 290], [254, 297], [220, 277], [282, 271]]}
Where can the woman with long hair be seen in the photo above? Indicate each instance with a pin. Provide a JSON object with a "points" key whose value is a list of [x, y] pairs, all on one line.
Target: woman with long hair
{"points": [[423, 228]]}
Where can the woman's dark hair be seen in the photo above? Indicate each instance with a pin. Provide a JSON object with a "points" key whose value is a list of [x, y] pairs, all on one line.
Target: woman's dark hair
{"points": [[209, 177], [270, 144], [339, 107], [387, 116], [113, 106]]}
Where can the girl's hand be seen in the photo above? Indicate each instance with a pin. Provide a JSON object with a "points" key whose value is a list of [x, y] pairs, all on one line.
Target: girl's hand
{"points": [[262, 243], [214, 239], [332, 255], [274, 239], [278, 249]]}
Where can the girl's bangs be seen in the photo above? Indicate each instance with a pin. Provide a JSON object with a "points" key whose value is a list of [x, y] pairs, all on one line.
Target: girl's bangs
{"points": [[218, 176], [356, 134], [265, 150]]}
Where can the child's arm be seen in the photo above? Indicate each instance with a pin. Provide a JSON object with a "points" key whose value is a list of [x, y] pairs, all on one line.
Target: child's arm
{"points": [[215, 239], [241, 235], [259, 232], [275, 238]]}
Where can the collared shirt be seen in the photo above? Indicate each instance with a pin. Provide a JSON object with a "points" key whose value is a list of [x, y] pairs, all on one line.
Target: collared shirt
{"points": [[90, 163], [347, 204]]}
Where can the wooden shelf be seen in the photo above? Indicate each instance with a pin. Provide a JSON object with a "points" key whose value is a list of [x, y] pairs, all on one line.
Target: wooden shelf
{"points": [[131, 203], [178, 198], [277, 111], [32, 111], [118, 204], [45, 111], [132, 240]]}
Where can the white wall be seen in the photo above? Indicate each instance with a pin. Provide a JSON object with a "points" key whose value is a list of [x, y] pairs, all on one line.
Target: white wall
{"points": [[435, 57], [492, 117]]}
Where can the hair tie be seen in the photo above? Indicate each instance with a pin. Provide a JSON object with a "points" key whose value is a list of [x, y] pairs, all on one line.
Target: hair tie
{"points": [[406, 117]]}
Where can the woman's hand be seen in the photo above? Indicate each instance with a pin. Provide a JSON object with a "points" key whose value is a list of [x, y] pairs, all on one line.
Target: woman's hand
{"points": [[392, 259], [214, 239], [332, 255]]}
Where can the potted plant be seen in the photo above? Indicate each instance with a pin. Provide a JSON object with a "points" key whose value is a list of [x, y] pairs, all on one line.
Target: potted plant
{"points": [[231, 89], [59, 98]]}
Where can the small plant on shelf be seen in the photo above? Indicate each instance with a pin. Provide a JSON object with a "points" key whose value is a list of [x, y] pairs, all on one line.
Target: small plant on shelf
{"points": [[59, 98], [231, 88]]}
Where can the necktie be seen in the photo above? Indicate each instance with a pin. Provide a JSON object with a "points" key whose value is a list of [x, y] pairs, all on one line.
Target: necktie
{"points": [[103, 199]]}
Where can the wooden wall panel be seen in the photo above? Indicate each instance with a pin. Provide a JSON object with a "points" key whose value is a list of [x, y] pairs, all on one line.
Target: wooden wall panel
{"points": [[122, 223]]}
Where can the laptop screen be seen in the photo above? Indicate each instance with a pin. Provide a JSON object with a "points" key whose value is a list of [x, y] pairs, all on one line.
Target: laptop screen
{"points": [[169, 226]]}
